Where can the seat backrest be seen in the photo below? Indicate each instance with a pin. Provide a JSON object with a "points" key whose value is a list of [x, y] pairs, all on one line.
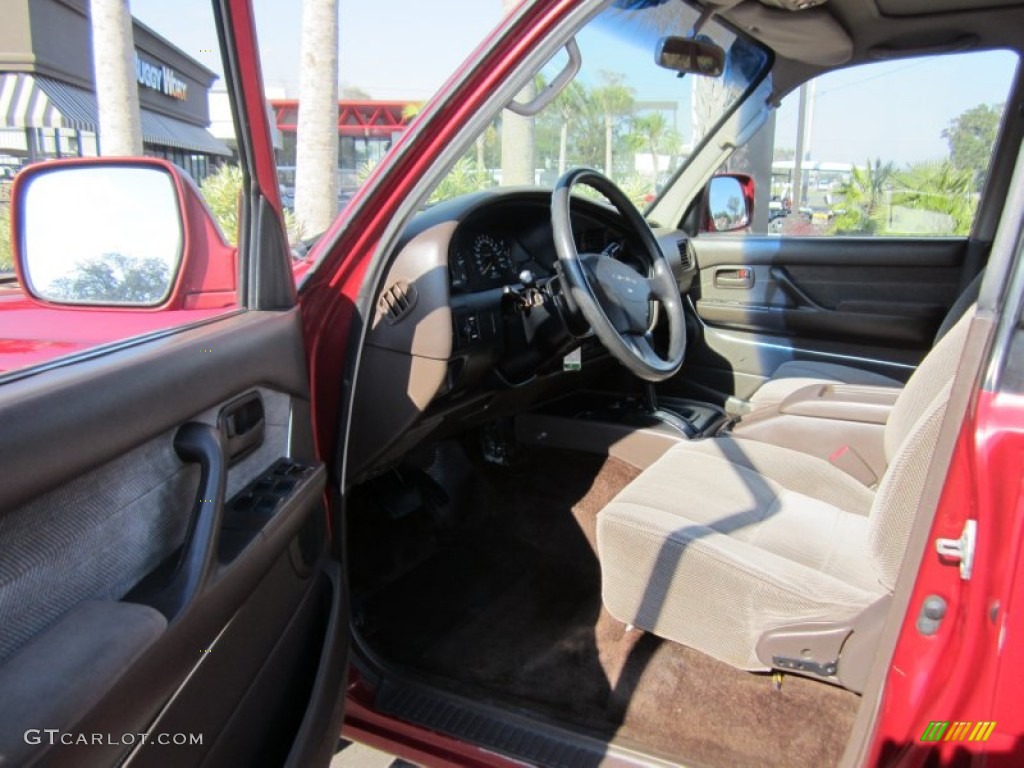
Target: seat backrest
{"points": [[910, 437], [963, 302]]}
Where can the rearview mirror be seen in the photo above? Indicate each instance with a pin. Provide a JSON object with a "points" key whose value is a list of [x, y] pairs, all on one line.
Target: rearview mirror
{"points": [[690, 55], [118, 232]]}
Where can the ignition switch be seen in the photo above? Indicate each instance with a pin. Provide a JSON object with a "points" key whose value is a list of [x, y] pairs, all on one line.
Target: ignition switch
{"points": [[527, 295]]}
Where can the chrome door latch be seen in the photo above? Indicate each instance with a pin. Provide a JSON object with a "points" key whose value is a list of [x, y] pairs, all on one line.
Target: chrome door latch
{"points": [[960, 550]]}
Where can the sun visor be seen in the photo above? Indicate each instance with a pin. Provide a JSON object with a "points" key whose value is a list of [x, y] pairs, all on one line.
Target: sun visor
{"points": [[812, 36]]}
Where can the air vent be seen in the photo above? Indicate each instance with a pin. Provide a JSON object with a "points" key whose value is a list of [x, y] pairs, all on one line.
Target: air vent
{"points": [[397, 301], [685, 262]]}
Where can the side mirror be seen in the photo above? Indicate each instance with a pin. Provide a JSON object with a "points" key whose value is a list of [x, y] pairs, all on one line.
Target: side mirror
{"points": [[118, 232], [728, 203]]}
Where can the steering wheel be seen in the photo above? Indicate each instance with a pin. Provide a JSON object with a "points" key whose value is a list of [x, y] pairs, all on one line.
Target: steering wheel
{"points": [[614, 298]]}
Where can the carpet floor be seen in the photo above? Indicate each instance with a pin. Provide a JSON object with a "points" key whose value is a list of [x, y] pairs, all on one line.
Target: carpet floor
{"points": [[489, 580]]}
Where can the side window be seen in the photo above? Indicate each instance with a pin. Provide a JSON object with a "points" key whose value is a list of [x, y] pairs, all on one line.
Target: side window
{"points": [[112, 239], [889, 149]]}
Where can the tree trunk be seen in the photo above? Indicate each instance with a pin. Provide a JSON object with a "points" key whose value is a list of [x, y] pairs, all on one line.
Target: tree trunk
{"points": [[316, 150], [608, 138], [117, 90], [563, 147], [481, 158], [517, 144], [517, 140]]}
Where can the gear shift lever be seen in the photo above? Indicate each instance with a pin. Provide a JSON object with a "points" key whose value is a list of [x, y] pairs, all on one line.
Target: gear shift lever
{"points": [[665, 417]]}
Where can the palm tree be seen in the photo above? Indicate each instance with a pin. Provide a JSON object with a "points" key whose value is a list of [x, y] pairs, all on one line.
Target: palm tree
{"points": [[615, 101], [569, 104], [940, 188], [649, 132], [517, 132], [117, 92], [316, 150], [709, 97], [862, 197]]}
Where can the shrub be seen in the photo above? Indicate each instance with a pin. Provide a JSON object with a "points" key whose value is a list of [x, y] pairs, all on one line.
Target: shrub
{"points": [[221, 191], [6, 250]]}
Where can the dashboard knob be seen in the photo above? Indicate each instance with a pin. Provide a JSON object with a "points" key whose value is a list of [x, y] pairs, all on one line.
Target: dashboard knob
{"points": [[526, 278]]}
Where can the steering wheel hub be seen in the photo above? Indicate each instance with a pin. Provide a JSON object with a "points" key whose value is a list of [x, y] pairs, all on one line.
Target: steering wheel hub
{"points": [[614, 298]]}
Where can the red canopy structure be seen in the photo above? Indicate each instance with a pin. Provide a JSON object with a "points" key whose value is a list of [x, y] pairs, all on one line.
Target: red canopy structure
{"points": [[355, 117]]}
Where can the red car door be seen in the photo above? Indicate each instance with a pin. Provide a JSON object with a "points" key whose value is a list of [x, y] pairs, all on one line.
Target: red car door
{"points": [[170, 590]]}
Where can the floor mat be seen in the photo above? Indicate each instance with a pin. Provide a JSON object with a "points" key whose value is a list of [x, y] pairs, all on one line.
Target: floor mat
{"points": [[504, 604]]}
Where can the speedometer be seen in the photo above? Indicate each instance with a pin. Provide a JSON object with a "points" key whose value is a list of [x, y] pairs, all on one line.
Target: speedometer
{"points": [[491, 257]]}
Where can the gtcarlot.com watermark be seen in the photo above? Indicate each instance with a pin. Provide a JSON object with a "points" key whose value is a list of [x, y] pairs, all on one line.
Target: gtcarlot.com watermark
{"points": [[54, 736]]}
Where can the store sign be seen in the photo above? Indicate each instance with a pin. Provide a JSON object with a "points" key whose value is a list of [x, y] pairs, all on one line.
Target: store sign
{"points": [[157, 77]]}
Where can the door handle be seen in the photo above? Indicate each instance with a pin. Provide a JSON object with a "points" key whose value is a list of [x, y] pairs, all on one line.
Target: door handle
{"points": [[734, 277], [201, 444], [242, 422]]}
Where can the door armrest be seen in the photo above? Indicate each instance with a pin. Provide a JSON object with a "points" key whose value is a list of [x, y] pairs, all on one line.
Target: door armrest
{"points": [[59, 675]]}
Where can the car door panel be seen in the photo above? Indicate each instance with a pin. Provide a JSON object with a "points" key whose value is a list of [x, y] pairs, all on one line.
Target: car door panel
{"points": [[874, 303], [178, 590]]}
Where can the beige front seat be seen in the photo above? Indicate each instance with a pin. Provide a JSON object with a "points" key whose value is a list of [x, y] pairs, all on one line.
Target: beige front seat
{"points": [[763, 557]]}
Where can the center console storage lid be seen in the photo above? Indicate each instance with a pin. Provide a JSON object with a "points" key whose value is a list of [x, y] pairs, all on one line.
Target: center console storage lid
{"points": [[843, 402]]}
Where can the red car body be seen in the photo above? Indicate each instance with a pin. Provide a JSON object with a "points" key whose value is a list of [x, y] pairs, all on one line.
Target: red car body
{"points": [[970, 670]]}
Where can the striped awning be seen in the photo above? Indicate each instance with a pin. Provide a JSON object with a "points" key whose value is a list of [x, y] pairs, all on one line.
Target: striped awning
{"points": [[169, 132], [31, 101], [23, 104]]}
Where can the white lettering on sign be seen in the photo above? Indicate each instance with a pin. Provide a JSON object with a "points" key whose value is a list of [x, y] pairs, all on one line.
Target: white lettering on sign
{"points": [[160, 78]]}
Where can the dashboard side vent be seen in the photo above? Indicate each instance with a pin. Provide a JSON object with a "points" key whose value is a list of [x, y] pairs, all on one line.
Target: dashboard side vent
{"points": [[396, 301], [685, 262]]}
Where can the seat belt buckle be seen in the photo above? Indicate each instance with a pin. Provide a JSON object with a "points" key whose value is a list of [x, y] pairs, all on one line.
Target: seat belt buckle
{"points": [[852, 463]]}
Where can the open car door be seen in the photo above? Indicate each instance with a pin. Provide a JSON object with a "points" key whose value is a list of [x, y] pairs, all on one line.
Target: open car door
{"points": [[168, 589]]}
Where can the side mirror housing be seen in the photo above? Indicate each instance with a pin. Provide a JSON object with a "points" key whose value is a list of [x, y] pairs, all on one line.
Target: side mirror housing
{"points": [[728, 203], [110, 233]]}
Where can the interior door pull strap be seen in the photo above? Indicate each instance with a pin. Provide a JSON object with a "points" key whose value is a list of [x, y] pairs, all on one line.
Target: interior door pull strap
{"points": [[200, 444]]}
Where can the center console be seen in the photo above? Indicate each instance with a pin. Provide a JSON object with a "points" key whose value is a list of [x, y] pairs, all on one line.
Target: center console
{"points": [[636, 429], [841, 423]]}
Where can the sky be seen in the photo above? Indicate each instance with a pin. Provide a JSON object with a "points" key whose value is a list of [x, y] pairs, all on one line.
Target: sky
{"points": [[393, 49], [142, 225], [406, 49]]}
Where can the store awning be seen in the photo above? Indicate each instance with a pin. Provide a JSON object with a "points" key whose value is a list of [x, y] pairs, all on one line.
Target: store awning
{"points": [[169, 132], [30, 101], [23, 104]]}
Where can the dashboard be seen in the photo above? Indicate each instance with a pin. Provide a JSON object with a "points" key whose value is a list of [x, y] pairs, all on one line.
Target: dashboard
{"points": [[461, 331], [492, 247]]}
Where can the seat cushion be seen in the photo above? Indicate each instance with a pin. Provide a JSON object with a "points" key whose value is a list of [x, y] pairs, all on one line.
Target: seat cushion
{"points": [[705, 550], [794, 470]]}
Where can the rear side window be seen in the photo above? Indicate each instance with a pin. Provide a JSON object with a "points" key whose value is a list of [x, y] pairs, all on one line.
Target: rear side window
{"points": [[889, 149]]}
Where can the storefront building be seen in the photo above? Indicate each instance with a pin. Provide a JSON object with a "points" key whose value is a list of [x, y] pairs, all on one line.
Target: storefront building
{"points": [[366, 130], [47, 91]]}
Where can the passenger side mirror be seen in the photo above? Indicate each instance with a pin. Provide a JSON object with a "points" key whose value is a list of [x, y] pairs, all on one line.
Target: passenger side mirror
{"points": [[728, 203], [118, 232]]}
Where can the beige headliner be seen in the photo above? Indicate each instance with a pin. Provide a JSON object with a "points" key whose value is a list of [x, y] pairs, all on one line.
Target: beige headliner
{"points": [[846, 32]]}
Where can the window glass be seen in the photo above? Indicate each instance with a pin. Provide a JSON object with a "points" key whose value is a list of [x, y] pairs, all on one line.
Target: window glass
{"points": [[889, 149], [391, 57], [622, 114], [99, 285]]}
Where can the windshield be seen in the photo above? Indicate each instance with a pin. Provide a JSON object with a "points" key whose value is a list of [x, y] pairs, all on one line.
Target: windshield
{"points": [[622, 113]]}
